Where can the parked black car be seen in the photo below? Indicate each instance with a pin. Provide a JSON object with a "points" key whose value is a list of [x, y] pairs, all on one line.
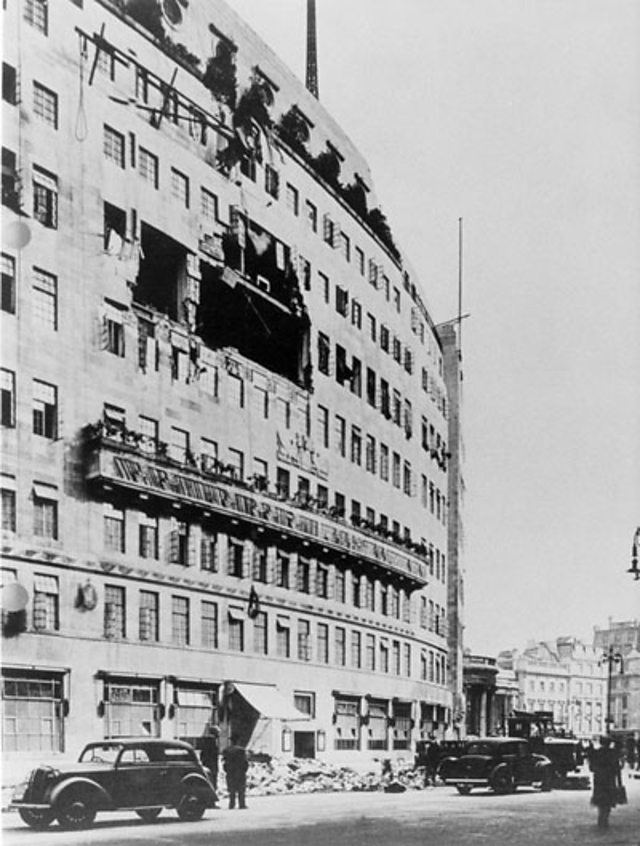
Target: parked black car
{"points": [[502, 764], [142, 775]]}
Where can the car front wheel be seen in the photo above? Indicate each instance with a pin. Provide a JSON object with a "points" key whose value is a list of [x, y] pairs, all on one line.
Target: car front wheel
{"points": [[75, 810], [148, 815], [191, 805], [38, 819]]}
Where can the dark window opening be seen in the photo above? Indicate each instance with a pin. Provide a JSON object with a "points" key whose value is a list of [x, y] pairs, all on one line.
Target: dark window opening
{"points": [[162, 279]]}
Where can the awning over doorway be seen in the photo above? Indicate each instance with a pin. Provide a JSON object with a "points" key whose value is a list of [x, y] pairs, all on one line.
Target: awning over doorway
{"points": [[268, 701]]}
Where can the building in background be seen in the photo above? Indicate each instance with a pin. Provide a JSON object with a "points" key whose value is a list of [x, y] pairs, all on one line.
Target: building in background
{"points": [[225, 421], [622, 638], [564, 677]]}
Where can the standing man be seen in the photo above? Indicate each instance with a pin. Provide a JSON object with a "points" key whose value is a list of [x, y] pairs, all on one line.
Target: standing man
{"points": [[236, 765]]}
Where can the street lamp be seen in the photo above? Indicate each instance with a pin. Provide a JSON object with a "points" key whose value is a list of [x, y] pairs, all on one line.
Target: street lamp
{"points": [[634, 570], [611, 658]]}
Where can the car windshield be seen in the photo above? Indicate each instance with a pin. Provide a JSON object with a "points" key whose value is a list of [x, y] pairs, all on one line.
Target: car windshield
{"points": [[480, 748], [102, 753]]}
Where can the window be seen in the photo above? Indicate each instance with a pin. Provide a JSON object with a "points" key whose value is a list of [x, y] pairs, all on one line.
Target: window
{"points": [[373, 273], [209, 625], [179, 445], [370, 652], [385, 399], [113, 146], [397, 407], [208, 546], [282, 569], [8, 502], [149, 616], [236, 629], [208, 455], [323, 643], [45, 105], [384, 338], [346, 718], [113, 333], [114, 612], [343, 374], [407, 479], [260, 644], [180, 187], [45, 511], [356, 376], [179, 552], [323, 425], [397, 349], [45, 409], [32, 706], [148, 166], [148, 537], [45, 299], [305, 701], [45, 197], [328, 230], [341, 646], [10, 180], [324, 353], [283, 482], [356, 314], [235, 560], [236, 391], [356, 650], [114, 529], [283, 637], [384, 656], [8, 293], [106, 64], [360, 261], [396, 299], [370, 454], [260, 563], [208, 205], [236, 463], [45, 603], [341, 436], [312, 216], [292, 198], [9, 87], [283, 412], [325, 286], [148, 429], [304, 575], [271, 181], [36, 13], [8, 397], [304, 640], [342, 300], [180, 621], [356, 445], [345, 246]]}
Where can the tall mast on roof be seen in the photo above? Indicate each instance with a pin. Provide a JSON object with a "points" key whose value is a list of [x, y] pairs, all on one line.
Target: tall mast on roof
{"points": [[312, 50]]}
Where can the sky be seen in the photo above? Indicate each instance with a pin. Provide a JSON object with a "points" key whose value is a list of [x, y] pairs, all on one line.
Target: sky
{"points": [[522, 117]]}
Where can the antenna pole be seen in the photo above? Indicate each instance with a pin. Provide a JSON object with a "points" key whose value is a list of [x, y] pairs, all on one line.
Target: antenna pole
{"points": [[460, 287], [312, 49]]}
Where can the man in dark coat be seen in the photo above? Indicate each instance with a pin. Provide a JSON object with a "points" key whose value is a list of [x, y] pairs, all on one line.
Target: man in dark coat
{"points": [[605, 766], [236, 765]]}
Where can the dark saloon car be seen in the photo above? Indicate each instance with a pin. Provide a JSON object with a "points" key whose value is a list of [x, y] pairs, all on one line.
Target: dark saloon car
{"points": [[501, 763], [142, 775]]}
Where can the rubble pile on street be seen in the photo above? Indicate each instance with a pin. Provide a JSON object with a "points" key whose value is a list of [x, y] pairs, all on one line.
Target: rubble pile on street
{"points": [[310, 776]]}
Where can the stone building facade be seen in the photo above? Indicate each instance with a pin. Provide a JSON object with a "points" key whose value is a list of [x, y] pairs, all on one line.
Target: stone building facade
{"points": [[622, 638], [224, 413]]}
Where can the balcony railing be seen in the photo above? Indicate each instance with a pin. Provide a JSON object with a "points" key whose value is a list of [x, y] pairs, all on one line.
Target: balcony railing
{"points": [[123, 457]]}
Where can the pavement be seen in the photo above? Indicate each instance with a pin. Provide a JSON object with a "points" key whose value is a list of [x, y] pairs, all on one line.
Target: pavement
{"points": [[435, 816]]}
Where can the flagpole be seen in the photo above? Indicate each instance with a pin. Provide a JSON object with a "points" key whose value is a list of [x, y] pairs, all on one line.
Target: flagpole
{"points": [[460, 287]]}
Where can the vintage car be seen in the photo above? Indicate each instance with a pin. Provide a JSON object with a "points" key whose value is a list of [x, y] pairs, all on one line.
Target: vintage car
{"points": [[142, 775], [501, 763]]}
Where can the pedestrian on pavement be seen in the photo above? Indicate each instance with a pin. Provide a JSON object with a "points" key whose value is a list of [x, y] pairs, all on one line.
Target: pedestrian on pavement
{"points": [[432, 761], [605, 766], [209, 753], [236, 765]]}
